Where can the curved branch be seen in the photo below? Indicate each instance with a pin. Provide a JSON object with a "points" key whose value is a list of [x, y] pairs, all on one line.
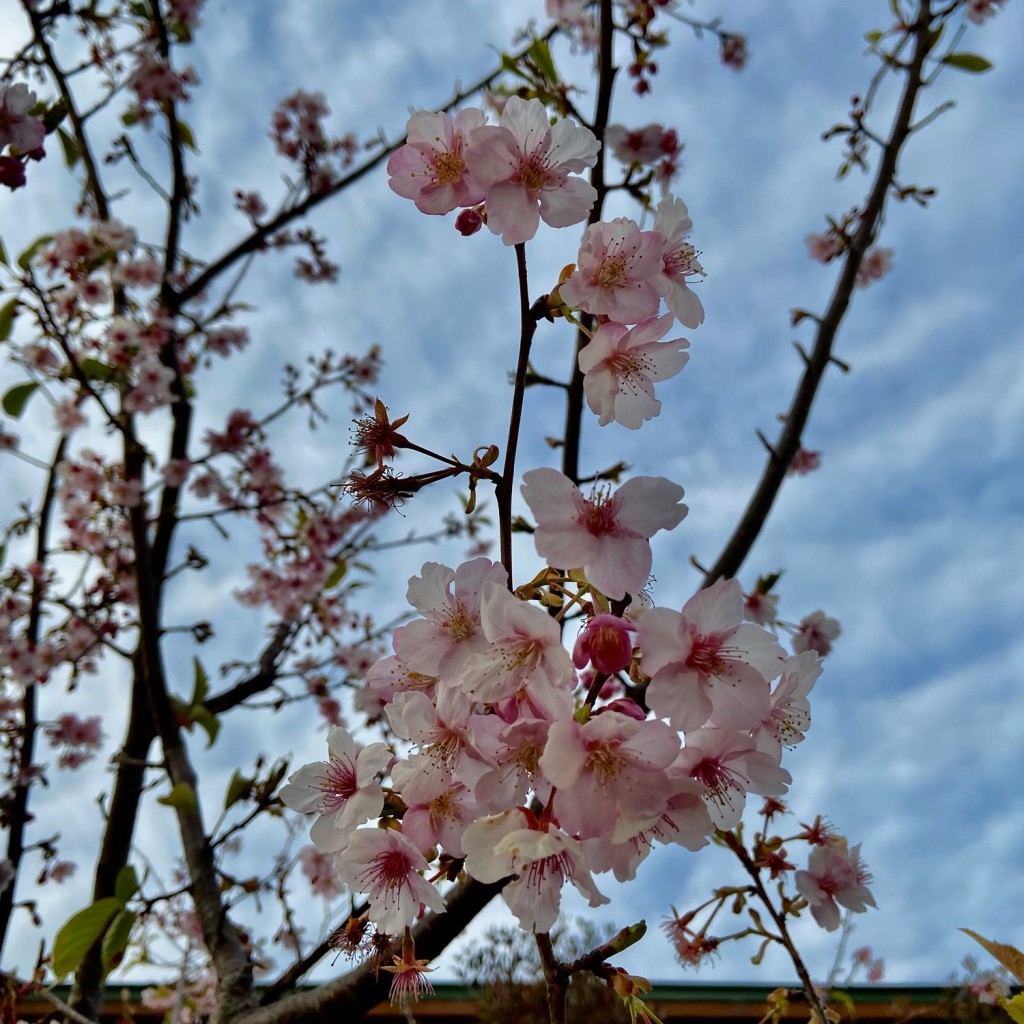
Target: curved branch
{"points": [[749, 527]]}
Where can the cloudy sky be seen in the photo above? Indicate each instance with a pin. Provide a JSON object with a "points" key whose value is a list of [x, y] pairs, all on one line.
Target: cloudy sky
{"points": [[911, 534]]}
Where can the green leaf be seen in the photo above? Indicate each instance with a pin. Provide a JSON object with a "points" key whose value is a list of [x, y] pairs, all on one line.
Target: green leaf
{"points": [[207, 721], [972, 62], [96, 370], [238, 789], [25, 259], [126, 884], [70, 147], [200, 682], [337, 574], [540, 54], [187, 137], [3, 254], [115, 941], [16, 398], [7, 315], [181, 797], [1009, 956], [1015, 1008], [79, 932]]}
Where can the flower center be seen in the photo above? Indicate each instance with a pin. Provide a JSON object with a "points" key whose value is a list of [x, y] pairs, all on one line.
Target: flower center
{"points": [[612, 272], [598, 515], [705, 656], [448, 167], [532, 173], [339, 783]]}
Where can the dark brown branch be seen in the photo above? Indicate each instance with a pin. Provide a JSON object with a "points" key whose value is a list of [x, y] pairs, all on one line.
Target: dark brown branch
{"points": [[17, 809], [574, 396], [750, 525]]}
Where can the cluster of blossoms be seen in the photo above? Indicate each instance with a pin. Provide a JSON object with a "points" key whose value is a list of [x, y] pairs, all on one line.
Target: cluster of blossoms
{"points": [[651, 146], [21, 133], [512, 758], [298, 132], [523, 170], [512, 773]]}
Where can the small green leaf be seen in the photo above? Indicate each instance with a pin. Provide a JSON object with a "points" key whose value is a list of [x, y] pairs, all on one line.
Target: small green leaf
{"points": [[7, 315], [540, 53], [187, 137], [95, 370], [126, 884], [16, 398], [207, 721], [70, 147], [972, 62], [115, 941], [79, 932], [238, 789], [181, 797], [200, 682], [874, 36], [25, 259], [337, 574]]}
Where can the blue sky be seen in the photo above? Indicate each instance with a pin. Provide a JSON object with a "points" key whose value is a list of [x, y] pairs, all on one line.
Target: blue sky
{"points": [[912, 533]]}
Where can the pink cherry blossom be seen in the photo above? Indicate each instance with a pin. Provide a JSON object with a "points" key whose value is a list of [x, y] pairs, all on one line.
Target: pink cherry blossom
{"points": [[18, 128], [835, 877], [706, 662], [607, 535], [607, 771], [319, 870], [760, 608], [615, 269], [728, 767], [605, 643], [525, 164], [679, 264], [978, 10], [386, 866], [542, 861], [343, 790], [789, 716], [442, 642], [816, 633], [524, 650], [638, 145], [876, 264], [620, 366], [431, 167], [803, 462], [825, 247]]}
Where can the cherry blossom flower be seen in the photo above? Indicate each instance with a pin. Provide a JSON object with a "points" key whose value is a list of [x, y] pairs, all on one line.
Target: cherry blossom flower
{"points": [[343, 790], [835, 877], [734, 50], [636, 146], [816, 633], [706, 662], [410, 982], [760, 608], [525, 164], [607, 535], [524, 650], [728, 767], [386, 866], [678, 262], [615, 269], [978, 10], [18, 128], [605, 643], [607, 771], [789, 716], [442, 642], [876, 264], [319, 870], [543, 861], [430, 168], [803, 462], [621, 364], [825, 247]]}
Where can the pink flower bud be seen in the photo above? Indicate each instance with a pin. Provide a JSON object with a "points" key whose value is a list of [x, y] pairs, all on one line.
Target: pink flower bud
{"points": [[468, 222], [605, 642]]}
